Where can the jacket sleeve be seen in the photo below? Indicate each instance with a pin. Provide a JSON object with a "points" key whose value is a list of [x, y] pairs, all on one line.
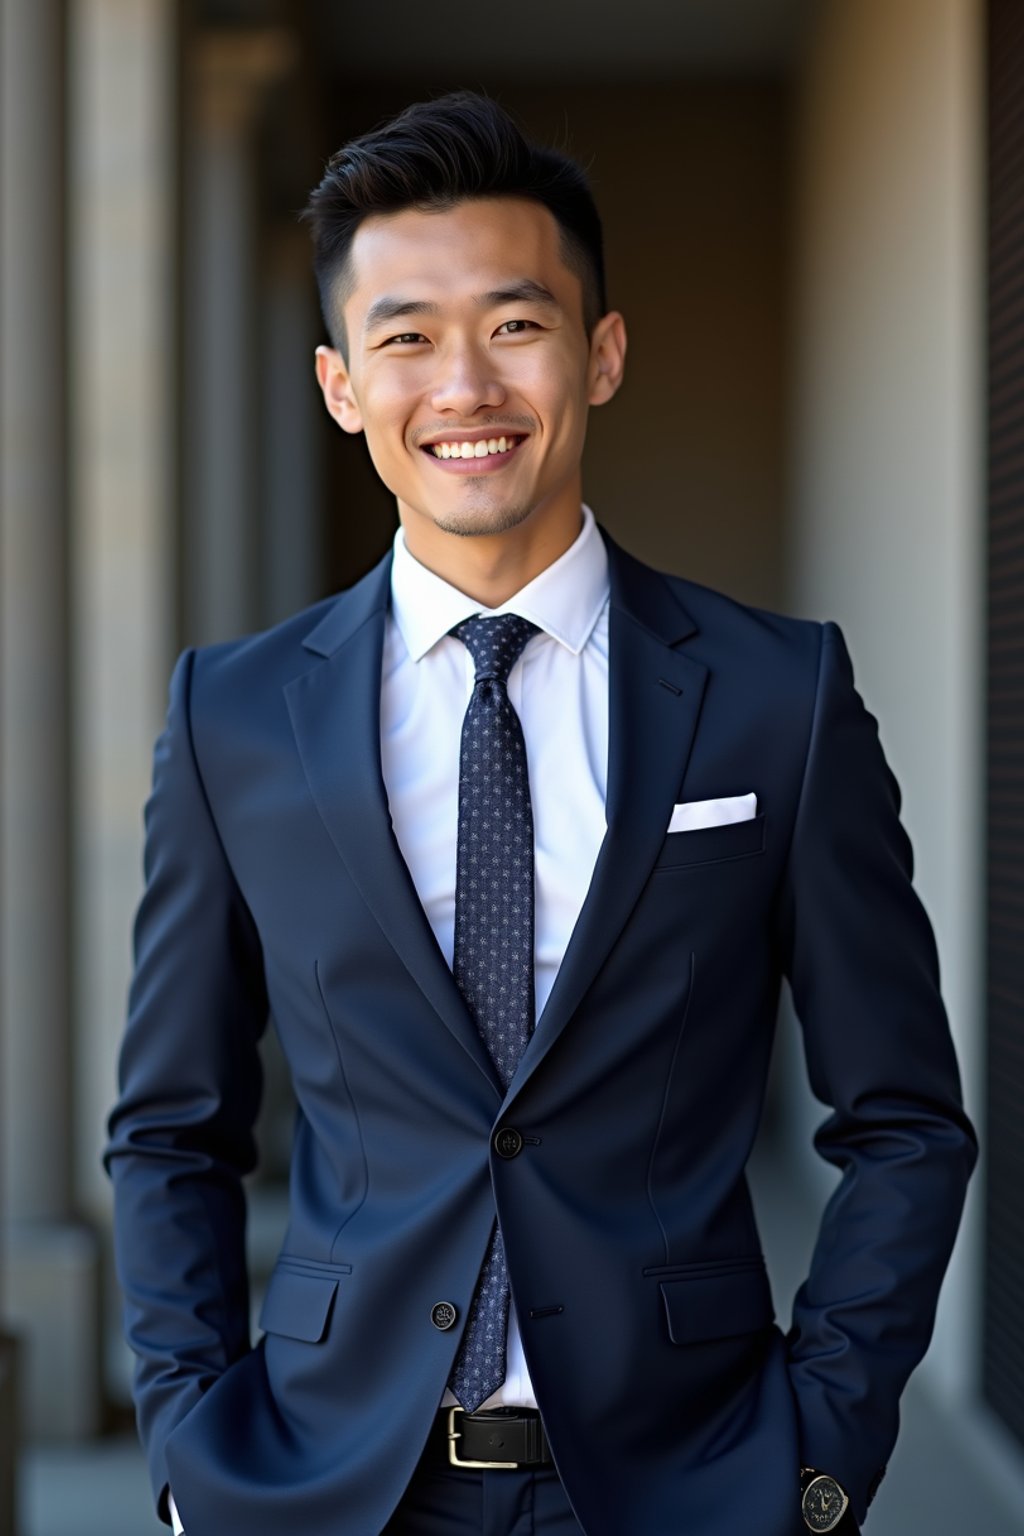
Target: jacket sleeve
{"points": [[180, 1133], [860, 955]]}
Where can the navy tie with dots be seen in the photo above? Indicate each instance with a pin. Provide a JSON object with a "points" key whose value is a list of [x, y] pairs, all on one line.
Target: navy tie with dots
{"points": [[493, 960]]}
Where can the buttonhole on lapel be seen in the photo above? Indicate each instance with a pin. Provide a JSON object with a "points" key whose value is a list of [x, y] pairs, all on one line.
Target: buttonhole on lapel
{"points": [[546, 1311], [670, 686], [532, 1141]]}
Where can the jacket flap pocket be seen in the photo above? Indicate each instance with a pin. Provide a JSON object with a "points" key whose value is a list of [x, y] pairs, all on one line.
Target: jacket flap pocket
{"points": [[703, 845], [717, 1306], [298, 1304]]}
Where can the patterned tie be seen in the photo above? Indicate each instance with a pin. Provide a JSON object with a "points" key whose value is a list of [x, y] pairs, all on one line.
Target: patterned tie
{"points": [[493, 962]]}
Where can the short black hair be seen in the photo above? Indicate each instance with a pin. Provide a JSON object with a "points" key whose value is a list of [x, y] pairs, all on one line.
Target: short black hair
{"points": [[436, 154]]}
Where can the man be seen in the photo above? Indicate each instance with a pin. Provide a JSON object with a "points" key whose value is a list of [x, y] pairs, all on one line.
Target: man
{"points": [[515, 840]]}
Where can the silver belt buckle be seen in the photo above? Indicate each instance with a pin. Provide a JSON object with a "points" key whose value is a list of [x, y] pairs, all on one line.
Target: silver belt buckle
{"points": [[456, 1434]]}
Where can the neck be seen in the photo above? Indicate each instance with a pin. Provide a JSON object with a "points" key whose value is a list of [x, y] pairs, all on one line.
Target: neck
{"points": [[491, 568]]}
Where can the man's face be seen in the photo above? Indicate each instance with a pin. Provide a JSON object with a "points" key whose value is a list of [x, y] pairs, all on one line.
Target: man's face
{"points": [[465, 328]]}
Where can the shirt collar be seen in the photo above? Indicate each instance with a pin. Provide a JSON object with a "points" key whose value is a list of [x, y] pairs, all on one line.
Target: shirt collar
{"points": [[565, 600]]}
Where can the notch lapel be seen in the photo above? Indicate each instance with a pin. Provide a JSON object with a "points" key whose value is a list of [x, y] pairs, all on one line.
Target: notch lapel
{"points": [[335, 715], [655, 695]]}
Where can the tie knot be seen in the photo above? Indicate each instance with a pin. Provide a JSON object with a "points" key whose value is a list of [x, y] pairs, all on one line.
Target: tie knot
{"points": [[495, 644]]}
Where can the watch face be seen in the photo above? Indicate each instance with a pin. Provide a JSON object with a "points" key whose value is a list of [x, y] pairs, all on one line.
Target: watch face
{"points": [[824, 1503]]}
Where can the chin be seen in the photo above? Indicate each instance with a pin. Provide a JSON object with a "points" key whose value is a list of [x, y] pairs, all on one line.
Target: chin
{"points": [[480, 521]]}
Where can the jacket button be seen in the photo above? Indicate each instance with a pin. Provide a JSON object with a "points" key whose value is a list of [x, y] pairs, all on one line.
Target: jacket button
{"points": [[443, 1314], [508, 1142]]}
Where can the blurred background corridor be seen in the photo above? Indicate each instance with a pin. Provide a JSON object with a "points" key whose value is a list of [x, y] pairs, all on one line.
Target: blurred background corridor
{"points": [[814, 221]]}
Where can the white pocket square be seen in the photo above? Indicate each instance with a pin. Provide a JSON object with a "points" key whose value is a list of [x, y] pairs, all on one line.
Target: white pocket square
{"points": [[712, 813]]}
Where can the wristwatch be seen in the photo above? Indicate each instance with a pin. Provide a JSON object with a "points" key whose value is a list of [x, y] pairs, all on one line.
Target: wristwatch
{"points": [[823, 1501]]}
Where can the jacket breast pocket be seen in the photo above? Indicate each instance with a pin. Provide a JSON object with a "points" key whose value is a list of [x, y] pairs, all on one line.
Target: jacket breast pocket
{"points": [[716, 1301], [299, 1299], [707, 845]]}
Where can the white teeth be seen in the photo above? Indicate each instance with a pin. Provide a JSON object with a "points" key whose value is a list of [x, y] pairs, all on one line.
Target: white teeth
{"points": [[478, 450]]}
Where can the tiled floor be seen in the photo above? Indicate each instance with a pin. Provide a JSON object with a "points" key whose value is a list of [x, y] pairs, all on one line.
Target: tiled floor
{"points": [[100, 1490]]}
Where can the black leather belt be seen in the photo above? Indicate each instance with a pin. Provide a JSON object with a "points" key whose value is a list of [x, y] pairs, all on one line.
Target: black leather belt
{"points": [[500, 1439]]}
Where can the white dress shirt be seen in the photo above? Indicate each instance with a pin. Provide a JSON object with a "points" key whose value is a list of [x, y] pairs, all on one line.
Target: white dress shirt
{"points": [[559, 690]]}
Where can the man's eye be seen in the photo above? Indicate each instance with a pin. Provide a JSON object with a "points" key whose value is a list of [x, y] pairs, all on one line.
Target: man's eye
{"points": [[406, 336], [520, 326]]}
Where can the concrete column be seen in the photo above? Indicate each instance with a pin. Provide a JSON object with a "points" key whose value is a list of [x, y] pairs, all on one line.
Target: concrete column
{"points": [[123, 390], [33, 653], [292, 539], [228, 74], [51, 1261], [887, 469]]}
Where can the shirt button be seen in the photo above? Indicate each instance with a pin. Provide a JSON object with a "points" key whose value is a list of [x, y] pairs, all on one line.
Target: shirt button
{"points": [[508, 1142], [443, 1314]]}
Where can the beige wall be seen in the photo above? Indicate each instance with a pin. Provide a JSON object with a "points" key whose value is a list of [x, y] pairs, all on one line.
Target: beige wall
{"points": [[686, 465], [887, 512]]}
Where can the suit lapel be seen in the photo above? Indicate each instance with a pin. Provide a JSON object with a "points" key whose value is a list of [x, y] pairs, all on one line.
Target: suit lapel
{"points": [[655, 694], [335, 714]]}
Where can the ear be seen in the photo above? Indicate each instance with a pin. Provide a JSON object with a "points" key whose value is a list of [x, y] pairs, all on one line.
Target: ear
{"points": [[336, 387], [607, 358]]}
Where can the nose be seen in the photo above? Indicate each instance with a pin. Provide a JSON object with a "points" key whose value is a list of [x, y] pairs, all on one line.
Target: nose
{"points": [[466, 382]]}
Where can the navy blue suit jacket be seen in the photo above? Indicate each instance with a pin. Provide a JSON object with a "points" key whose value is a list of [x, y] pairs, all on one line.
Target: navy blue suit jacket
{"points": [[275, 888]]}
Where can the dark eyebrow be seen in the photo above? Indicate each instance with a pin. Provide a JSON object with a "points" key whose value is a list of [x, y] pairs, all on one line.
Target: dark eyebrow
{"points": [[383, 310], [525, 291]]}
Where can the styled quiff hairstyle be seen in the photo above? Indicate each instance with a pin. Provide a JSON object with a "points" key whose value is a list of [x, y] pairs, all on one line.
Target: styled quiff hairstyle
{"points": [[432, 156]]}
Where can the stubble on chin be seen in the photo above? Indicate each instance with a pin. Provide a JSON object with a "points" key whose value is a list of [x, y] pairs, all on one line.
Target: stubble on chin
{"points": [[481, 520]]}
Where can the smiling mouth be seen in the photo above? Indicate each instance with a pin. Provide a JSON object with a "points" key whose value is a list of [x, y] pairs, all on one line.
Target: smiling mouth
{"points": [[483, 448]]}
